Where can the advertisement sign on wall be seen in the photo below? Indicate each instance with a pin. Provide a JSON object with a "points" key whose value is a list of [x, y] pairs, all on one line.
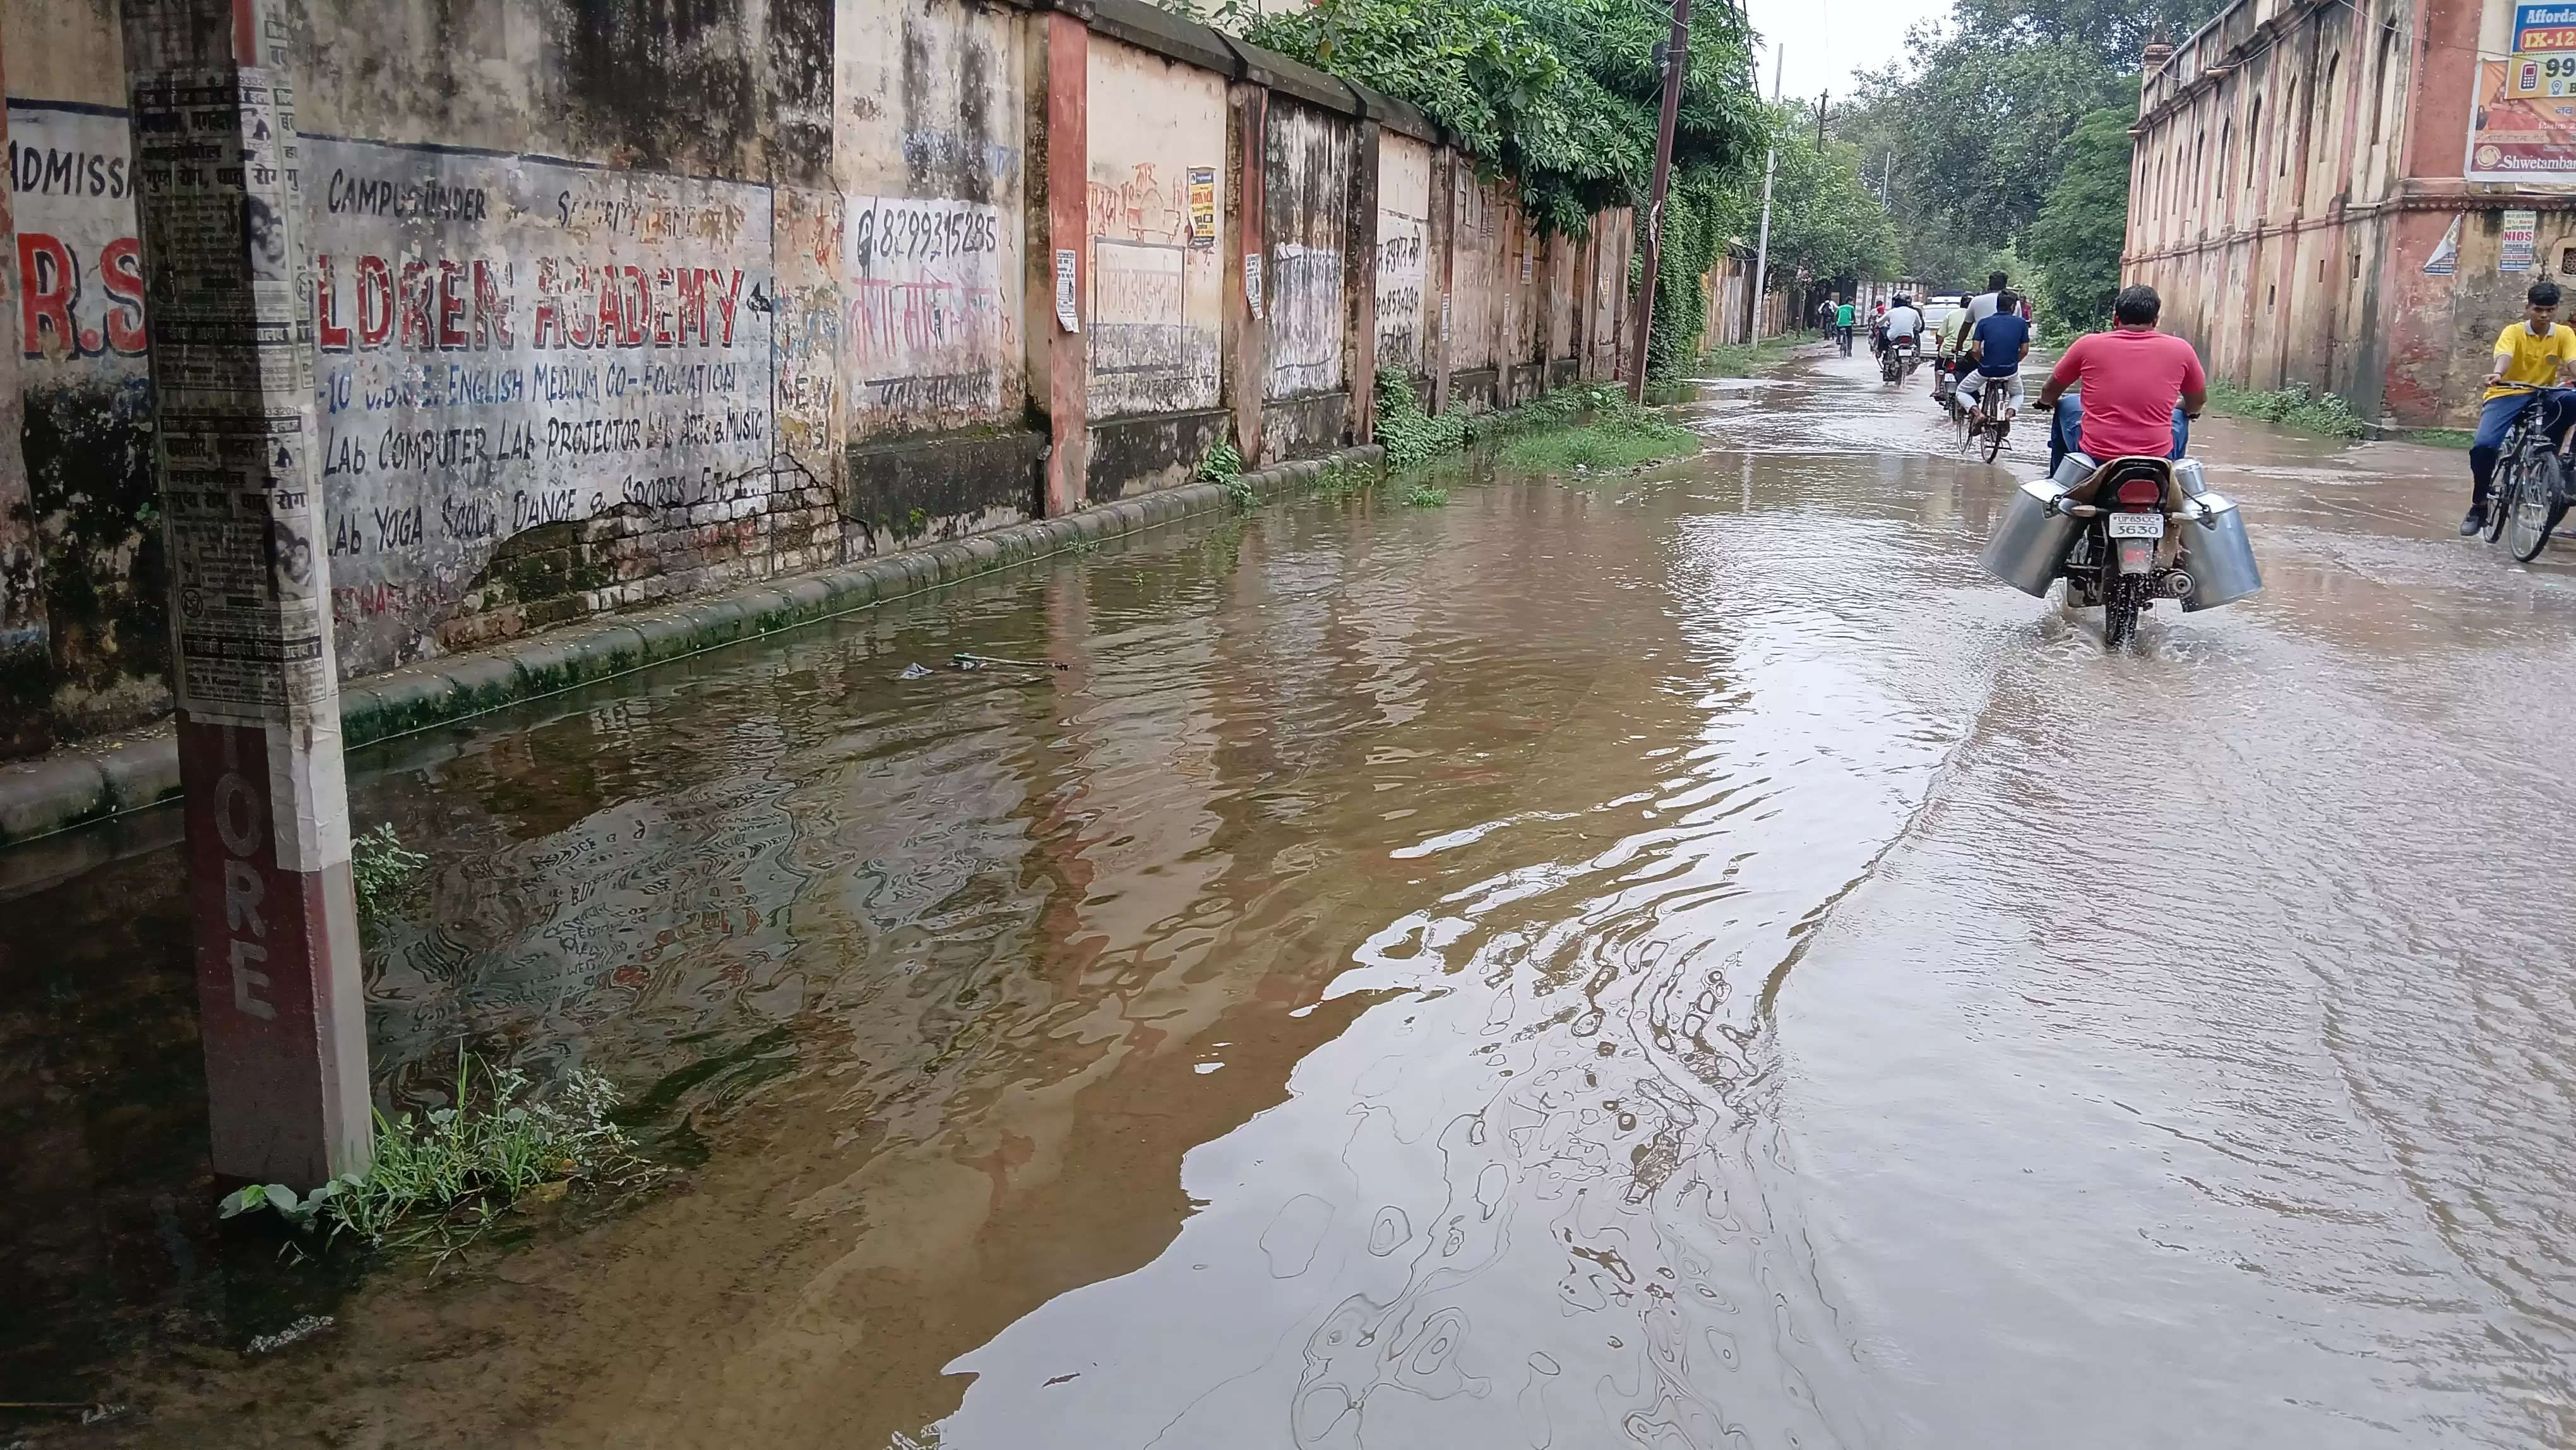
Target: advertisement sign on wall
{"points": [[2522, 121]]}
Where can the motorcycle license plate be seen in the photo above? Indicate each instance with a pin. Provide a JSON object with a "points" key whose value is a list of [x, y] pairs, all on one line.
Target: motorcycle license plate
{"points": [[2137, 526]]}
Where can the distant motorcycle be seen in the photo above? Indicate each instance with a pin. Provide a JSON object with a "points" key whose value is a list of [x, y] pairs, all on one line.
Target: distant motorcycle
{"points": [[1895, 360], [2124, 534]]}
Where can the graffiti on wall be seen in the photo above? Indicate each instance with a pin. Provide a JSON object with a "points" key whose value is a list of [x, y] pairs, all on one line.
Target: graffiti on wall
{"points": [[1150, 349], [1402, 242], [930, 323], [1306, 319], [85, 379], [507, 344]]}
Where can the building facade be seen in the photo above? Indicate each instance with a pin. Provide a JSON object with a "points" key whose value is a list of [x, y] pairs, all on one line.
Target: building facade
{"points": [[2353, 195]]}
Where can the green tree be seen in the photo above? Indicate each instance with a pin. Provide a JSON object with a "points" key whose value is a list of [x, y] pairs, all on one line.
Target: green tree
{"points": [[2082, 226], [1982, 122]]}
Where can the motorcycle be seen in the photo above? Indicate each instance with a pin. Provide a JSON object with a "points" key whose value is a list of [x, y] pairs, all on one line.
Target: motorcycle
{"points": [[2124, 534], [1895, 360]]}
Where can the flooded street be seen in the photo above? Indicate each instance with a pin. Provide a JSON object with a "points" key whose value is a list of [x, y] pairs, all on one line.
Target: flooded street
{"points": [[1677, 960]]}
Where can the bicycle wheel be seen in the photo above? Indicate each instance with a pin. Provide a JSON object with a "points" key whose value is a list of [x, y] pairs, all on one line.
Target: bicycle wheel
{"points": [[2508, 486], [2540, 500], [1996, 431]]}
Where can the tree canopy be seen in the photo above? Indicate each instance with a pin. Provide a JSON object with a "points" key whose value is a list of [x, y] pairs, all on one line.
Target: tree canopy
{"points": [[2007, 112]]}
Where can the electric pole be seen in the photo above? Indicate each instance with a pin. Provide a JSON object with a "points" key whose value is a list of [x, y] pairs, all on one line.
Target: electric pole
{"points": [[1770, 161], [1676, 66]]}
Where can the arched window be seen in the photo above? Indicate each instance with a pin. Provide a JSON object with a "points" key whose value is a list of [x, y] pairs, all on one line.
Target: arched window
{"points": [[2383, 74], [2254, 141], [2226, 148], [2285, 148]]}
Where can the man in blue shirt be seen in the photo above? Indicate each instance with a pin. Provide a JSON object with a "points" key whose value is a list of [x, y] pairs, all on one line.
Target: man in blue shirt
{"points": [[1998, 343]]}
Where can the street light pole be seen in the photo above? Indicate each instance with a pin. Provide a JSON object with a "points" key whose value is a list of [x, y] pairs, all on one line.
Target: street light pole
{"points": [[1770, 161], [1676, 65]]}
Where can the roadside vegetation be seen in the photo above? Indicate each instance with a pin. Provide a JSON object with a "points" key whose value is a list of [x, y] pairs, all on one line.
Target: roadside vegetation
{"points": [[1737, 360], [444, 1179], [383, 872], [1590, 429], [2291, 407]]}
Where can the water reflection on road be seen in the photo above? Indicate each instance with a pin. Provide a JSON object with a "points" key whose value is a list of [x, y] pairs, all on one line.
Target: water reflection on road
{"points": [[1677, 960]]}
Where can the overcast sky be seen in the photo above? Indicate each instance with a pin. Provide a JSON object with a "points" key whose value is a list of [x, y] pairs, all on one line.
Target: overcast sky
{"points": [[1827, 40]]}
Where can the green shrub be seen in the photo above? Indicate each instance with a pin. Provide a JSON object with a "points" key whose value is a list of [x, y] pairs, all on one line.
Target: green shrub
{"points": [[1409, 435], [381, 870], [2293, 407], [442, 1179], [1223, 466]]}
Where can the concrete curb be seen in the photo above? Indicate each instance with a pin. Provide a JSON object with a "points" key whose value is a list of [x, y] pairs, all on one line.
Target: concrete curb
{"points": [[96, 780]]}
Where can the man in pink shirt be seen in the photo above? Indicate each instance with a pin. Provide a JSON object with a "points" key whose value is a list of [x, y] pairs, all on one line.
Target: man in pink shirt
{"points": [[2132, 377]]}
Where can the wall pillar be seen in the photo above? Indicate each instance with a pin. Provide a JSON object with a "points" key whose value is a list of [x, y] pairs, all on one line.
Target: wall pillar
{"points": [[212, 92], [1440, 270], [1246, 316], [1068, 163], [26, 649], [1359, 273]]}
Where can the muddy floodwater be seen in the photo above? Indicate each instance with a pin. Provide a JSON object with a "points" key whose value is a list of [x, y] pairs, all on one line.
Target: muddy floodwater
{"points": [[1674, 960]]}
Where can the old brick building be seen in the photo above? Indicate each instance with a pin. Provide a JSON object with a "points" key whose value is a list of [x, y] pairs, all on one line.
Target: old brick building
{"points": [[2353, 194]]}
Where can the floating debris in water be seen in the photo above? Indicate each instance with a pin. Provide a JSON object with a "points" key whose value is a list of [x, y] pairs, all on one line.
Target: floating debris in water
{"points": [[304, 1328], [914, 671], [965, 661]]}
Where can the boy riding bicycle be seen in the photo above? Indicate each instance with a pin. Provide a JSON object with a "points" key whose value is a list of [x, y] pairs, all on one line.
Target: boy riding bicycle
{"points": [[2530, 356]]}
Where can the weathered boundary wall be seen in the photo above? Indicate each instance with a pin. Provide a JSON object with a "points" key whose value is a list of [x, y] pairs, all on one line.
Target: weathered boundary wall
{"points": [[671, 310]]}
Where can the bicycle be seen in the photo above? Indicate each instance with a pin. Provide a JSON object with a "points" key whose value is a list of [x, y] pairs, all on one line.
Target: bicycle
{"points": [[1987, 417], [2530, 494]]}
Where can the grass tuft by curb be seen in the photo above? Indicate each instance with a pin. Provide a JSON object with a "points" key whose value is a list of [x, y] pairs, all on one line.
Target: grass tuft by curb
{"points": [[2291, 407], [2440, 437], [1591, 429], [439, 1182], [1739, 359]]}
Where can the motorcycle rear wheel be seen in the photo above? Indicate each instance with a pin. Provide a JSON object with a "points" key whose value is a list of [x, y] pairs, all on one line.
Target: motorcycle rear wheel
{"points": [[2121, 596]]}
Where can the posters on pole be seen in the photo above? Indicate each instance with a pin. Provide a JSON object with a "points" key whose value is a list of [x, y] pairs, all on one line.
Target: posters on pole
{"points": [[234, 395], [1068, 264]]}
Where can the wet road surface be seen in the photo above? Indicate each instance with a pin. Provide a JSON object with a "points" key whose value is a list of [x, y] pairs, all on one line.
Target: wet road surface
{"points": [[1674, 960]]}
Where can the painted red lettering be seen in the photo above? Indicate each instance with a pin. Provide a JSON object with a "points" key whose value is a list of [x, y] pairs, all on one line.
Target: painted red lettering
{"points": [[417, 300], [375, 301], [491, 309], [635, 308], [120, 271], [452, 301], [49, 286], [693, 303], [725, 302], [330, 333]]}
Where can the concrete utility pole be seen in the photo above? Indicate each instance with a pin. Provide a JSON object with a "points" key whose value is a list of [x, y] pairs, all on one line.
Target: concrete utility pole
{"points": [[1770, 161], [212, 91], [1676, 66]]}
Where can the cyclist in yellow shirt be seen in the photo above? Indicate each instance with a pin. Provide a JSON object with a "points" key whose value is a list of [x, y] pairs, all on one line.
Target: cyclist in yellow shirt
{"points": [[2530, 356]]}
